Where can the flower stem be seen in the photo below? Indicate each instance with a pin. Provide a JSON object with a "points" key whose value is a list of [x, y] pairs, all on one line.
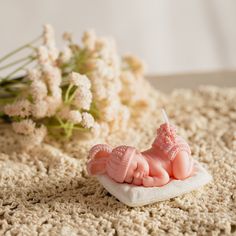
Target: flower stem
{"points": [[60, 121], [4, 101], [19, 49], [15, 62], [68, 92], [71, 97], [81, 129], [54, 126], [16, 70], [69, 130]]}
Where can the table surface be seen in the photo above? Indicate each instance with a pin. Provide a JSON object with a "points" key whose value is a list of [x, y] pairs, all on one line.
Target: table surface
{"points": [[167, 83]]}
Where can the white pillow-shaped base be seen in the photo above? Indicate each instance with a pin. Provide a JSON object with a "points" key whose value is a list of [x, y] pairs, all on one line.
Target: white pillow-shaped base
{"points": [[132, 195]]}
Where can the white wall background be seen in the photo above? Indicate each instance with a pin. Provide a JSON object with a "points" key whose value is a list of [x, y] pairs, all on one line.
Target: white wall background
{"points": [[171, 36]]}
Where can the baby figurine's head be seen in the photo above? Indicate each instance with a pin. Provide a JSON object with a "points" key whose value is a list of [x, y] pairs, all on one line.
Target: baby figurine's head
{"points": [[123, 163], [138, 168]]}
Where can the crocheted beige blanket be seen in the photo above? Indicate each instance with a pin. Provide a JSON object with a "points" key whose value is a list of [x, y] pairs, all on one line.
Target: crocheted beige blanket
{"points": [[46, 190]]}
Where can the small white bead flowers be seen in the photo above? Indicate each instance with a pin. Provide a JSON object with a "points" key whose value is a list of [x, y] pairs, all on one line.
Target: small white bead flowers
{"points": [[76, 89]]}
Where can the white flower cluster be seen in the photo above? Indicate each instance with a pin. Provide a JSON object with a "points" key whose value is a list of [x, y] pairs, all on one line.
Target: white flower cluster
{"points": [[104, 73], [20, 108], [83, 94], [80, 87], [76, 117], [50, 50], [132, 80], [78, 103], [45, 80], [44, 94]]}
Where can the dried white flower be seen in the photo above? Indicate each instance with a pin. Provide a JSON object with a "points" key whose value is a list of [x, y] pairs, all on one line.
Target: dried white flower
{"points": [[121, 120], [38, 90], [99, 90], [39, 109], [89, 39], [135, 64], [104, 129], [20, 108], [63, 113], [113, 88], [74, 117], [87, 120], [96, 129], [48, 35], [65, 55], [124, 116], [56, 93], [79, 80], [132, 87], [25, 127], [34, 74], [106, 49], [67, 36], [127, 77], [83, 98], [53, 105], [52, 75], [111, 109], [53, 54], [49, 41], [105, 43], [42, 55], [107, 85], [103, 70]]}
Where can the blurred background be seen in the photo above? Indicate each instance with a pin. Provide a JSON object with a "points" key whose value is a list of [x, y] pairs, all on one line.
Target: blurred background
{"points": [[172, 37]]}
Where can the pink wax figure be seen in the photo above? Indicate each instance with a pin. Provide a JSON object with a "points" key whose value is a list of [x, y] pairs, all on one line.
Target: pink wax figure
{"points": [[169, 157]]}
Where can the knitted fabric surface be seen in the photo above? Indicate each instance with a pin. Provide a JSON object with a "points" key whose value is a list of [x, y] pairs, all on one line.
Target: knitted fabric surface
{"points": [[47, 191]]}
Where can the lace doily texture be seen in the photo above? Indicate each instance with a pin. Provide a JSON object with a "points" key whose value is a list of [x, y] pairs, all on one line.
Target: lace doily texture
{"points": [[47, 191]]}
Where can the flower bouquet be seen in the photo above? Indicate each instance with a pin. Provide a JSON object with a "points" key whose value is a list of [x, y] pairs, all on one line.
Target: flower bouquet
{"points": [[81, 88]]}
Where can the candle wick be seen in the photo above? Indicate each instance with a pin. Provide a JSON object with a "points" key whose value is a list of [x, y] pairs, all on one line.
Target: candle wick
{"points": [[165, 117]]}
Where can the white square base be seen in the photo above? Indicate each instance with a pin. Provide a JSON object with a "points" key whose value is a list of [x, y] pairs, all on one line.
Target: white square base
{"points": [[132, 195]]}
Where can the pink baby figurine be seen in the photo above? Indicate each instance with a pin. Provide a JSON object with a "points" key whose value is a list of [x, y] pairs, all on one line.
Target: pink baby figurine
{"points": [[169, 157]]}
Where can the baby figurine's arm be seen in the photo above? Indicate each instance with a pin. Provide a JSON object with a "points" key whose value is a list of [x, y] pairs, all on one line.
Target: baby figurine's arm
{"points": [[160, 178], [142, 169], [140, 172]]}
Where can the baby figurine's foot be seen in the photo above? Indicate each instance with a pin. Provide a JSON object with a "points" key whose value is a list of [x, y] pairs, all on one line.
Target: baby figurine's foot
{"points": [[173, 147], [169, 143], [182, 165], [98, 156]]}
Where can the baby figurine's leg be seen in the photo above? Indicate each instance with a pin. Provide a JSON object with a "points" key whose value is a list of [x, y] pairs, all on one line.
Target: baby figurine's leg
{"points": [[161, 178], [137, 181], [128, 179], [141, 171], [139, 174], [182, 165]]}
